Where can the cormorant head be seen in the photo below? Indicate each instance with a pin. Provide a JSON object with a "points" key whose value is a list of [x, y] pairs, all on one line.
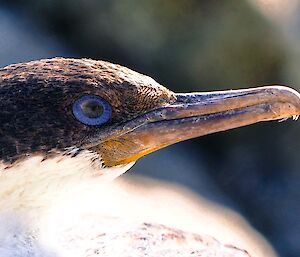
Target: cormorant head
{"points": [[114, 115]]}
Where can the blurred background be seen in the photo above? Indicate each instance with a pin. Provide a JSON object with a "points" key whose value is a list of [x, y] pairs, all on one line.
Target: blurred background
{"points": [[191, 45]]}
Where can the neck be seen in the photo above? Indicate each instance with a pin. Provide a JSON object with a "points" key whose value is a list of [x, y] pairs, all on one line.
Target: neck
{"points": [[41, 199], [37, 184]]}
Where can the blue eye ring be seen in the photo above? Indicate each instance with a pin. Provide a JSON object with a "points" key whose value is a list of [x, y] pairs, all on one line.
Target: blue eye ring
{"points": [[101, 108]]}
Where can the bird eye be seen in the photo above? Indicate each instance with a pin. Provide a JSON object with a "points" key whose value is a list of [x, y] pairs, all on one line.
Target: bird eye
{"points": [[92, 110]]}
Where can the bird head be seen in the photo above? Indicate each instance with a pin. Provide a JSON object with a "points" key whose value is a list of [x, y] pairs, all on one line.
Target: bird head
{"points": [[113, 115]]}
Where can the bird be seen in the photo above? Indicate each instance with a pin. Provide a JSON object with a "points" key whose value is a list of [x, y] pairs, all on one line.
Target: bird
{"points": [[69, 127]]}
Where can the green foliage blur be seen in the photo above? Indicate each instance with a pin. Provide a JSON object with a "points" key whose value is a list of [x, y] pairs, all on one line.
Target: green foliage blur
{"points": [[187, 45]]}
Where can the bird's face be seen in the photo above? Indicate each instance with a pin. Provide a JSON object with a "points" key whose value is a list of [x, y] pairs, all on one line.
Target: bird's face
{"points": [[65, 106]]}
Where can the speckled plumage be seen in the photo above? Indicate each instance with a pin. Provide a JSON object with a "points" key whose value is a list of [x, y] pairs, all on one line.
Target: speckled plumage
{"points": [[36, 100]]}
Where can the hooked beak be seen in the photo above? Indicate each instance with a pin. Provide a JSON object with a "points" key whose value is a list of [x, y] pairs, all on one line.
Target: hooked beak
{"points": [[193, 115]]}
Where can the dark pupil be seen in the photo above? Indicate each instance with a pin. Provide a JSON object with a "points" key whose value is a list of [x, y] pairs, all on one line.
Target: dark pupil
{"points": [[92, 109]]}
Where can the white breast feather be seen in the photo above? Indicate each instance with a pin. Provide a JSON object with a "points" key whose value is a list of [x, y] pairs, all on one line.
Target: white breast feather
{"points": [[64, 207], [36, 193]]}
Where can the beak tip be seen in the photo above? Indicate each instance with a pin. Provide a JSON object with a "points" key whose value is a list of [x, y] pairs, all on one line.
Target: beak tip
{"points": [[291, 96]]}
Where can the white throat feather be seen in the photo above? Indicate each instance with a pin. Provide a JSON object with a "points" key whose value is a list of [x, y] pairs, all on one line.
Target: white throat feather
{"points": [[37, 182]]}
